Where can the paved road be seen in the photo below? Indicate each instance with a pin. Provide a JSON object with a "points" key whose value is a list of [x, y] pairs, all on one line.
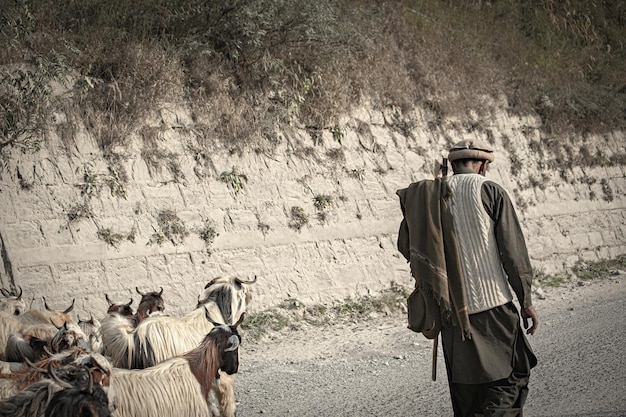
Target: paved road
{"points": [[383, 369]]}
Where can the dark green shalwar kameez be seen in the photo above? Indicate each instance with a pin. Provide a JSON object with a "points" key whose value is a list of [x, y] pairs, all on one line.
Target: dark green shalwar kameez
{"points": [[488, 374]]}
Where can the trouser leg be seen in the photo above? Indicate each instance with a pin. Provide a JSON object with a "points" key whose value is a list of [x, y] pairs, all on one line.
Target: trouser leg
{"points": [[506, 397], [466, 399]]}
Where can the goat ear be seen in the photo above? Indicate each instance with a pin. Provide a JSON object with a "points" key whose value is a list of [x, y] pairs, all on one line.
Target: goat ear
{"points": [[233, 343]]}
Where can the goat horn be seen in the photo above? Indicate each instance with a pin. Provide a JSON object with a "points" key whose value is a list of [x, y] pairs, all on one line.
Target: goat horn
{"points": [[55, 377], [161, 292], [211, 282], [106, 296], [139, 292], [33, 366], [45, 304], [247, 282], [19, 296], [5, 292], [233, 342], [234, 326], [47, 350], [130, 302], [70, 308]]}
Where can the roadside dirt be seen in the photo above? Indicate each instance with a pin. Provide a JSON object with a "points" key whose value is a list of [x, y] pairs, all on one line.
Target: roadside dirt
{"points": [[380, 368]]}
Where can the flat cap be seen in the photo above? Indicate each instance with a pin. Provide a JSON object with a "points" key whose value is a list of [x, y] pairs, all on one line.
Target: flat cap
{"points": [[471, 149]]}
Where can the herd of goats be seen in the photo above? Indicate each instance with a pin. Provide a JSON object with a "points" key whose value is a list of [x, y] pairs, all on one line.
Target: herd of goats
{"points": [[128, 363]]}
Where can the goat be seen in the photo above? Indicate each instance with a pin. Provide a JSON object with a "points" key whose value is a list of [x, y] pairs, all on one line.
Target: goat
{"points": [[20, 347], [12, 304], [37, 397], [23, 326], [30, 342], [124, 310], [67, 362], [159, 338], [150, 302], [84, 399], [30, 402], [91, 328], [32, 323], [179, 386]]}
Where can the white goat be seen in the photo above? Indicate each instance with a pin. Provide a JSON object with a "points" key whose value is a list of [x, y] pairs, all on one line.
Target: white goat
{"points": [[32, 323], [12, 304], [179, 386], [162, 337]]}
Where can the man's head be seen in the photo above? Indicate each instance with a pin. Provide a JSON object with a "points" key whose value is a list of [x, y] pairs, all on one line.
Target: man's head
{"points": [[472, 154]]}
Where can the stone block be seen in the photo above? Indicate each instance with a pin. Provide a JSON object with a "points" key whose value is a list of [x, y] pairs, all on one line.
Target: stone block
{"points": [[157, 268], [34, 280], [129, 273], [180, 266], [26, 234], [387, 209], [163, 197], [279, 257], [33, 206], [87, 275], [595, 239], [56, 232], [581, 241]]}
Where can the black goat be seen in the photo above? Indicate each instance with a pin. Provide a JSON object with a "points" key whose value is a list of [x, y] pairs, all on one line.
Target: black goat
{"points": [[84, 399]]}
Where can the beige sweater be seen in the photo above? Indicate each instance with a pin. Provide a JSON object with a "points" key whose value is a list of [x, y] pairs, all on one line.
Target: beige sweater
{"points": [[486, 283]]}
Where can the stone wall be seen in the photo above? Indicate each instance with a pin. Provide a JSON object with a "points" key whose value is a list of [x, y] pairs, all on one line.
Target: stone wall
{"points": [[73, 228]]}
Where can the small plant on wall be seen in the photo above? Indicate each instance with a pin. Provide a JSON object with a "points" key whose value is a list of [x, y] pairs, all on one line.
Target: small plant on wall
{"points": [[298, 218], [79, 211], [92, 182], [322, 203], [110, 237], [208, 232], [234, 179], [171, 228], [338, 134]]}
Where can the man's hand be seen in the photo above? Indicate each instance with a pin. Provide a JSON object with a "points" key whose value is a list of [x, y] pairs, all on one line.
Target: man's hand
{"points": [[530, 313]]}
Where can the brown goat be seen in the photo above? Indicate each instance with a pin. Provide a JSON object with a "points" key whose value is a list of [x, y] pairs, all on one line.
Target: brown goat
{"points": [[150, 302]]}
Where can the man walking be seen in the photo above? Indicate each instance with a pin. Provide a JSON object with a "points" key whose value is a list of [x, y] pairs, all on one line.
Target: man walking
{"points": [[485, 261]]}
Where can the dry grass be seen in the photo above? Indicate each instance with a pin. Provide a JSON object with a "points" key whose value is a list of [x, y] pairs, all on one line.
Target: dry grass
{"points": [[248, 68]]}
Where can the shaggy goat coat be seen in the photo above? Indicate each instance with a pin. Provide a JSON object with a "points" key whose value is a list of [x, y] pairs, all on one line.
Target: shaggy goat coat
{"points": [[162, 337]]}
